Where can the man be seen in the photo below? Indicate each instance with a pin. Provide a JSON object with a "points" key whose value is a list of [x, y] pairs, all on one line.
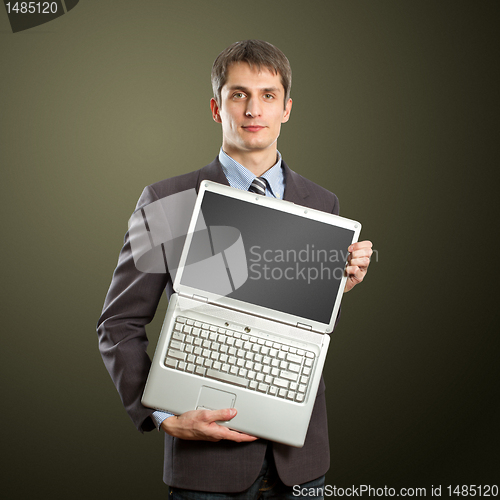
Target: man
{"points": [[251, 82]]}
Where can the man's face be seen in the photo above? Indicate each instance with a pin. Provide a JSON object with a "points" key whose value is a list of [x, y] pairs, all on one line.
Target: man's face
{"points": [[251, 110]]}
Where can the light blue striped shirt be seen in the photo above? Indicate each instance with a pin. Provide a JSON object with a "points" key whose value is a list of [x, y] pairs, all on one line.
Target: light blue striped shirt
{"points": [[240, 177]]}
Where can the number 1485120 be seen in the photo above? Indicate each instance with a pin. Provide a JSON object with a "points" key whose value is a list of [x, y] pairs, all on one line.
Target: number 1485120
{"points": [[32, 7]]}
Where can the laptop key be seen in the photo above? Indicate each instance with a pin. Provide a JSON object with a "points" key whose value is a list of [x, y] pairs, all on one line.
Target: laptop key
{"points": [[176, 344], [226, 377], [172, 353], [293, 358], [281, 383], [171, 362], [289, 375], [178, 336]]}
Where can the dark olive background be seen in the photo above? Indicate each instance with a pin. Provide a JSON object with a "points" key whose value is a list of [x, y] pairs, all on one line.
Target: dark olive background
{"points": [[395, 106]]}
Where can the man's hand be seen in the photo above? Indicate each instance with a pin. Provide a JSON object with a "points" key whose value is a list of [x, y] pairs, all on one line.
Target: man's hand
{"points": [[357, 263], [201, 425]]}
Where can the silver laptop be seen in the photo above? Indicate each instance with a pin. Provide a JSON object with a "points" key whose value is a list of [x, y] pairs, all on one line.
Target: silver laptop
{"points": [[257, 290]]}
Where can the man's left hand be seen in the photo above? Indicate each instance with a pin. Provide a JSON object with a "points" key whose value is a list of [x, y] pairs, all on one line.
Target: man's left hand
{"points": [[357, 263]]}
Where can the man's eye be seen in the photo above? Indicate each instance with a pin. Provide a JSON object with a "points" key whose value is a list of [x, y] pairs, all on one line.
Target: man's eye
{"points": [[268, 96], [239, 95]]}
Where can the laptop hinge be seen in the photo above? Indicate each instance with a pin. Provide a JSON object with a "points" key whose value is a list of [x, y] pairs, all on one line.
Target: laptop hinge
{"points": [[200, 298], [304, 327], [194, 297]]}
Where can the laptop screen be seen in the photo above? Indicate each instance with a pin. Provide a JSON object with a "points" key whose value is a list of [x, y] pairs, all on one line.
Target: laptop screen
{"points": [[268, 257]]}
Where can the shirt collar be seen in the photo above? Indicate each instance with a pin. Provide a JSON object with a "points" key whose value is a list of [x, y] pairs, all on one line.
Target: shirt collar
{"points": [[240, 177]]}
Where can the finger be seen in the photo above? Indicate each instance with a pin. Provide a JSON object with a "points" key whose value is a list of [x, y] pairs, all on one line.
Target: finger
{"points": [[361, 262], [230, 435], [216, 432], [224, 414], [354, 273], [362, 252], [359, 245]]}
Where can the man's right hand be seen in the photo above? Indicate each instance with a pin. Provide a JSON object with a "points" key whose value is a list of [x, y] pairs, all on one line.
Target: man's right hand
{"points": [[202, 425]]}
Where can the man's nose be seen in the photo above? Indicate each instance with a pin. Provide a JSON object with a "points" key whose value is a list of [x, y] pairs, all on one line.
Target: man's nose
{"points": [[253, 108]]}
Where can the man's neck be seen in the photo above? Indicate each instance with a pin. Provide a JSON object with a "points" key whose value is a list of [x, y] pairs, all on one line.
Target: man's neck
{"points": [[257, 162]]}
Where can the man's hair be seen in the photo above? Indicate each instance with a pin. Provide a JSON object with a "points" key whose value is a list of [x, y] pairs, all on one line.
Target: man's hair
{"points": [[256, 53]]}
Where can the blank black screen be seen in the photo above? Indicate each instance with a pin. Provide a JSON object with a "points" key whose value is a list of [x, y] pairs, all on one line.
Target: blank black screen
{"points": [[294, 264]]}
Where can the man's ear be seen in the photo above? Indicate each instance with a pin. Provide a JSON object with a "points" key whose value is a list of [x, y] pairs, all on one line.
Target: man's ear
{"points": [[215, 110], [288, 110]]}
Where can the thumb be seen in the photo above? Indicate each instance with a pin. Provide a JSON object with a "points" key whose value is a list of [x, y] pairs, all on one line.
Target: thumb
{"points": [[225, 414]]}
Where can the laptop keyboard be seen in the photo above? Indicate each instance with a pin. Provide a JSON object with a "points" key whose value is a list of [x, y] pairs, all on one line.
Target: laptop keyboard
{"points": [[240, 359]]}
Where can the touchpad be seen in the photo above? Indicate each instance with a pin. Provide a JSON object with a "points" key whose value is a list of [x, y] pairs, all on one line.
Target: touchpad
{"points": [[214, 399]]}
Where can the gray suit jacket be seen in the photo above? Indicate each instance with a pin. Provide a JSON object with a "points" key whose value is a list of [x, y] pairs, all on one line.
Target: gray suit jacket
{"points": [[130, 305]]}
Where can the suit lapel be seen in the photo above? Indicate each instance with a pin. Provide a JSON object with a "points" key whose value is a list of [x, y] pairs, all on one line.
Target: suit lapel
{"points": [[212, 172], [295, 189]]}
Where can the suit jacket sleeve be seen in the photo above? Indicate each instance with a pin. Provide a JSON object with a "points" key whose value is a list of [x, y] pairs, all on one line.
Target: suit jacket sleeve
{"points": [[130, 305]]}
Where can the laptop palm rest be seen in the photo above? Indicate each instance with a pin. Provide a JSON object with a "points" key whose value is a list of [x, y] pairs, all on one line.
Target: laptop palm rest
{"points": [[214, 399]]}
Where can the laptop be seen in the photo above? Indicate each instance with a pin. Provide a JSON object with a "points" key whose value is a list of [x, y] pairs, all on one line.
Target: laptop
{"points": [[257, 291]]}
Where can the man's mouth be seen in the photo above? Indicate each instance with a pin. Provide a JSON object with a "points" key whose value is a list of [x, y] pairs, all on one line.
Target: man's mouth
{"points": [[253, 128]]}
